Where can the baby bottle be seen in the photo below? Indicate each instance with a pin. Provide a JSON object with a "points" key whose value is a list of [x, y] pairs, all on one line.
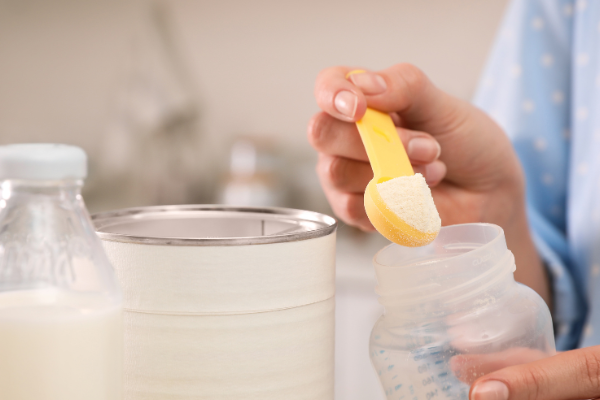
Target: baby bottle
{"points": [[60, 303], [452, 313]]}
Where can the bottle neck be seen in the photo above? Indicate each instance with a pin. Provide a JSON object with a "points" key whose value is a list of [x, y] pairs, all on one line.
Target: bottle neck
{"points": [[433, 302], [66, 188], [42, 224], [41, 200], [466, 267]]}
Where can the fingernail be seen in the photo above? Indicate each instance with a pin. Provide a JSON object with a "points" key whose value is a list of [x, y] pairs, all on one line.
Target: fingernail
{"points": [[423, 149], [369, 83], [346, 102], [490, 390]]}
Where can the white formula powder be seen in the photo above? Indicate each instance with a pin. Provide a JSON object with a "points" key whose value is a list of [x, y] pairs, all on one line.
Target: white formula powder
{"points": [[409, 198]]}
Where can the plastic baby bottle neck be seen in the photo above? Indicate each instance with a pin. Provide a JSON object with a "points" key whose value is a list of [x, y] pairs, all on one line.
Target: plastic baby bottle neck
{"points": [[466, 267]]}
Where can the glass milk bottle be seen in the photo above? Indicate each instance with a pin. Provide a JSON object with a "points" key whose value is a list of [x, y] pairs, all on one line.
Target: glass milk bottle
{"points": [[60, 303], [453, 313]]}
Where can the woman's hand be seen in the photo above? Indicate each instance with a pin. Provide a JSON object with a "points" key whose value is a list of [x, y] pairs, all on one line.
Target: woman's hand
{"points": [[570, 375], [464, 155]]}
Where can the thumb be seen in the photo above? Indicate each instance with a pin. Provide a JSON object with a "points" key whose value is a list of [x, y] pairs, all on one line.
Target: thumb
{"points": [[478, 155], [569, 375], [402, 89], [417, 101]]}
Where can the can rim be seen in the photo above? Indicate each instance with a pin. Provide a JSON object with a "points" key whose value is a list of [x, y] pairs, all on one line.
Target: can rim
{"points": [[103, 220]]}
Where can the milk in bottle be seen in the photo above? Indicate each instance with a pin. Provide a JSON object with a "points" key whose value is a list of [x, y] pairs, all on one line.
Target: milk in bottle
{"points": [[60, 304]]}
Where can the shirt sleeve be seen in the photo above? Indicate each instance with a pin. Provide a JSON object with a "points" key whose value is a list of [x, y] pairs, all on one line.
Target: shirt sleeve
{"points": [[526, 89]]}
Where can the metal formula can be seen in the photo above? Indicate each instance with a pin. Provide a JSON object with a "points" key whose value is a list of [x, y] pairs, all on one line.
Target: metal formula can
{"points": [[224, 302]]}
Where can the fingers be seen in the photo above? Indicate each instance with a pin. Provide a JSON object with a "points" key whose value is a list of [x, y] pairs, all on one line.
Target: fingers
{"points": [[569, 375], [339, 97], [433, 173], [344, 181], [469, 367], [352, 176], [409, 93], [421, 148], [403, 89], [349, 207], [344, 170], [344, 174], [343, 165], [334, 137]]}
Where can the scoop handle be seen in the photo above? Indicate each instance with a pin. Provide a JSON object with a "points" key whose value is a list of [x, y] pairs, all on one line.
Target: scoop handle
{"points": [[385, 150]]}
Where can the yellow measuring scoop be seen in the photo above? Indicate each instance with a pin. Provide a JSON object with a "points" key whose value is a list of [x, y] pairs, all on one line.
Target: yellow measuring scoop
{"points": [[388, 160]]}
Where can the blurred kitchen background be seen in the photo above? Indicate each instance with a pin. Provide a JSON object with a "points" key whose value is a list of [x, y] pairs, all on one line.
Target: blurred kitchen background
{"points": [[195, 101]]}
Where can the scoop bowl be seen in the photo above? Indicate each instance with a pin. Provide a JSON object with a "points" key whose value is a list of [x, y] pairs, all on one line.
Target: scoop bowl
{"points": [[389, 224]]}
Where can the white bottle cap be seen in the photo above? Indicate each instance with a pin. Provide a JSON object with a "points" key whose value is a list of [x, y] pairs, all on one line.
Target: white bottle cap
{"points": [[42, 161]]}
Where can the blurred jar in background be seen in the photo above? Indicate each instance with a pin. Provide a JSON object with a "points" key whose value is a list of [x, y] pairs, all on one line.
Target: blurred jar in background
{"points": [[253, 178]]}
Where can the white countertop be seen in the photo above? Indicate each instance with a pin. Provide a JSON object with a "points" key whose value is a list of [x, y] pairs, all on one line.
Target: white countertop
{"points": [[357, 310]]}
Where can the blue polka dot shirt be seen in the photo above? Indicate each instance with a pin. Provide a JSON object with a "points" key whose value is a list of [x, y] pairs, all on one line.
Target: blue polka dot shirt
{"points": [[542, 85]]}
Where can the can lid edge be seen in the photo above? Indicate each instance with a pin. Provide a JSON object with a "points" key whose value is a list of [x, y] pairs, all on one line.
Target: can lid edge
{"points": [[104, 219]]}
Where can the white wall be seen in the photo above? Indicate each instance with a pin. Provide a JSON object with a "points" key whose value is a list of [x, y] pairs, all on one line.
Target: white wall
{"points": [[245, 67], [254, 62]]}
